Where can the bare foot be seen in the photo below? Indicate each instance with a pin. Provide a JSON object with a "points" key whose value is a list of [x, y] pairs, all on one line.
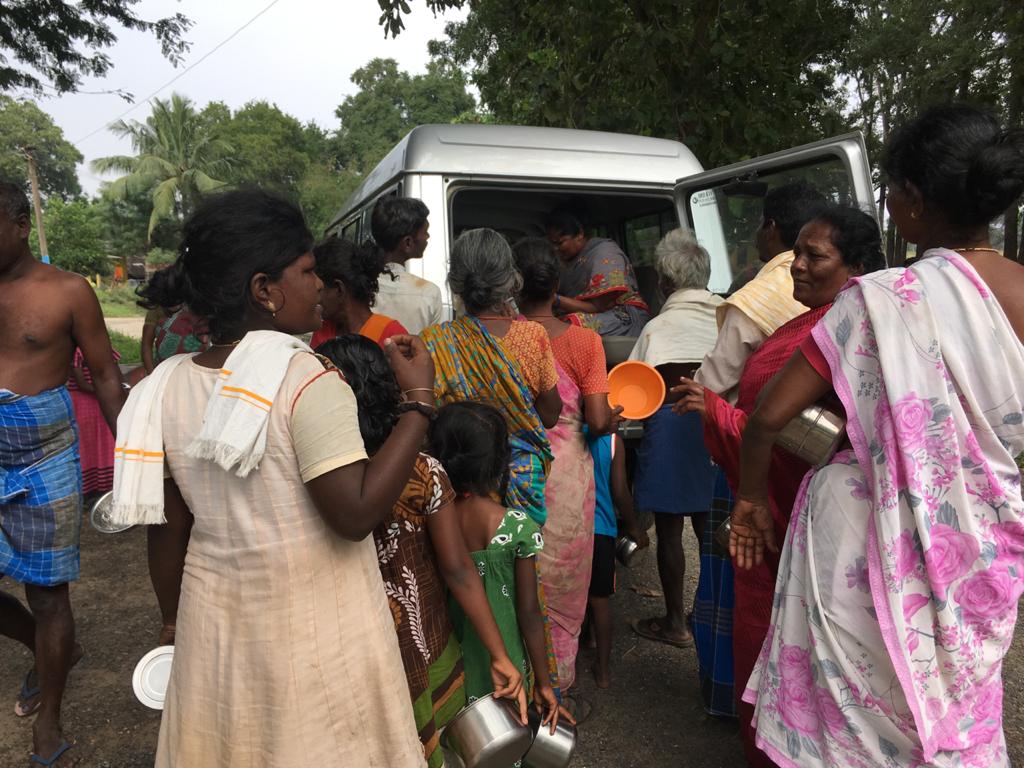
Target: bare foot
{"points": [[602, 677]]}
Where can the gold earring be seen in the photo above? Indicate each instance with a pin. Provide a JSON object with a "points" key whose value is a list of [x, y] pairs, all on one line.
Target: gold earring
{"points": [[913, 215], [273, 308]]}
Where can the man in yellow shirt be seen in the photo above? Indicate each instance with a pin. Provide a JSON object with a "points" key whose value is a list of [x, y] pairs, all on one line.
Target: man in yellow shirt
{"points": [[756, 310]]}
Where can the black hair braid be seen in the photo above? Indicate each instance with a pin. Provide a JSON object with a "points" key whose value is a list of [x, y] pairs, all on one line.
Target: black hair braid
{"points": [[376, 389]]}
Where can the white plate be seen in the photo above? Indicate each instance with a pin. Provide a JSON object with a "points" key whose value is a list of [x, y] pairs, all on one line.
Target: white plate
{"points": [[98, 515], [151, 676]]}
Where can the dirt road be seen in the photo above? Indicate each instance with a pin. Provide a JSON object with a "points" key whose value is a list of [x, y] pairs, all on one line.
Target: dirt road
{"points": [[651, 717], [130, 326]]}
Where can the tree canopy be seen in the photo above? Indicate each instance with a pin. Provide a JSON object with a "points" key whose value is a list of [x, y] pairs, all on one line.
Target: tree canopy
{"points": [[53, 43], [75, 236], [390, 103], [23, 124], [177, 158]]}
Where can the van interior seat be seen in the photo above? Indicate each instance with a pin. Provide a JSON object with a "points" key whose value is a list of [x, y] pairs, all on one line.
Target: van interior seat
{"points": [[617, 348]]}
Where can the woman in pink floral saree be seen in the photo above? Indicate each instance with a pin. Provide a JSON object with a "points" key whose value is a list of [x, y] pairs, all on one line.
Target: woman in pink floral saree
{"points": [[904, 560]]}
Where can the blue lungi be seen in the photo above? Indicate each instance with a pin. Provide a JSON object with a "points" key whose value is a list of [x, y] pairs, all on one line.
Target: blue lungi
{"points": [[40, 488], [674, 473]]}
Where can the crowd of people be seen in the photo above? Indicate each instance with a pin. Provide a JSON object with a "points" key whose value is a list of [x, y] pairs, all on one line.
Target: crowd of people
{"points": [[350, 539]]}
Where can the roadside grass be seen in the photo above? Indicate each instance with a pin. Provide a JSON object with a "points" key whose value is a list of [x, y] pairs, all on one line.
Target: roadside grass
{"points": [[127, 347], [119, 301]]}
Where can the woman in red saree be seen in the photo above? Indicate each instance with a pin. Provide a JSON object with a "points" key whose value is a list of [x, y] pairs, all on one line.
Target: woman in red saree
{"points": [[838, 244]]}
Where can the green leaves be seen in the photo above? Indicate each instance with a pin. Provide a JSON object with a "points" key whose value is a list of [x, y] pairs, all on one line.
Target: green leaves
{"points": [[177, 159], [57, 43], [23, 124]]}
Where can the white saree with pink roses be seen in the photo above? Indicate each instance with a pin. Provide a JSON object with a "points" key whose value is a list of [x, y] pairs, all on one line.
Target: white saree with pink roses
{"points": [[904, 559]]}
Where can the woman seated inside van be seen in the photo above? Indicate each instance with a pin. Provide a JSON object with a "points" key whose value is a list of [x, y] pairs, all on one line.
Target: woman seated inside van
{"points": [[598, 289]]}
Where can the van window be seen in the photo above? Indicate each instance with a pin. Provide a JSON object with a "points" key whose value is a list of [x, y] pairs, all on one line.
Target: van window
{"points": [[642, 235], [727, 216], [351, 231], [635, 220]]}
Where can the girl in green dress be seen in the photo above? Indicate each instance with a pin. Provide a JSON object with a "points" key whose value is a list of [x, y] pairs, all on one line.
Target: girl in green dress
{"points": [[421, 557], [471, 441]]}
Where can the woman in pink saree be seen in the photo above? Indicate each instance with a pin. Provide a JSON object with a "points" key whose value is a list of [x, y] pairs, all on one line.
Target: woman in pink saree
{"points": [[569, 494], [904, 559]]}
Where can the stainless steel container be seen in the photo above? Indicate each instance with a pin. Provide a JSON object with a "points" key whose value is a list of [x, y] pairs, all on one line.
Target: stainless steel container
{"points": [[814, 435], [99, 515], [487, 734], [550, 750], [721, 538], [625, 548]]}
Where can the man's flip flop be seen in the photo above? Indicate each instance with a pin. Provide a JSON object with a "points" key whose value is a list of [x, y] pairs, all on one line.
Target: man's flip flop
{"points": [[52, 759], [25, 694], [652, 630]]}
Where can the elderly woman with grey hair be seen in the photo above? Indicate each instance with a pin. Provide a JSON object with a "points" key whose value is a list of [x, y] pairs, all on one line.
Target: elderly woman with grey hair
{"points": [[674, 475], [489, 356]]}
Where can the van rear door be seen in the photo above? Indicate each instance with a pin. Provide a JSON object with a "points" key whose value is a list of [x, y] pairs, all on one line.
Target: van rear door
{"points": [[724, 205]]}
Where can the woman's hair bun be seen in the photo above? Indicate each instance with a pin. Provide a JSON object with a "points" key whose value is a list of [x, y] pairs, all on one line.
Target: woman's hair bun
{"points": [[996, 174], [168, 288]]}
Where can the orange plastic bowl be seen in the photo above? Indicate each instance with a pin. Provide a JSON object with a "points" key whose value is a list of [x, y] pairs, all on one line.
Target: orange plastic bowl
{"points": [[637, 387]]}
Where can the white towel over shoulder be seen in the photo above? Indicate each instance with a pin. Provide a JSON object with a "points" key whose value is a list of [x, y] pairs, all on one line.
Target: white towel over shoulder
{"points": [[234, 431]]}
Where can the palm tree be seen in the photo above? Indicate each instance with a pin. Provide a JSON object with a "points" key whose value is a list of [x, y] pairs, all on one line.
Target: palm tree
{"points": [[176, 159]]}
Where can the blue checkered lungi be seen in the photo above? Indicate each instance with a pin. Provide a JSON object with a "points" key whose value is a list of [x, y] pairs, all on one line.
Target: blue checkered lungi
{"points": [[712, 610], [40, 488]]}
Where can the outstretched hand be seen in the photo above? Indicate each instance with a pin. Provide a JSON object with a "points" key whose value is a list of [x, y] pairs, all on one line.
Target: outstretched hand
{"points": [[691, 397], [751, 531]]}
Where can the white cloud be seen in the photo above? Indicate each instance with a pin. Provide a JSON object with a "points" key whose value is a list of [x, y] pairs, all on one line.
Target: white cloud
{"points": [[298, 55]]}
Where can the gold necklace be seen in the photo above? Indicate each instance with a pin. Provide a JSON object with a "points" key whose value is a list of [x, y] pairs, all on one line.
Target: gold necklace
{"points": [[234, 343], [961, 250]]}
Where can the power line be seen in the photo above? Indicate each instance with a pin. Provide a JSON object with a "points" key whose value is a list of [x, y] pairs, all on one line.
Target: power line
{"points": [[181, 74]]}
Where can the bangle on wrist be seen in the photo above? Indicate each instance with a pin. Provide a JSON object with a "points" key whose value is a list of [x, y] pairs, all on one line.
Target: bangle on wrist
{"points": [[418, 389]]}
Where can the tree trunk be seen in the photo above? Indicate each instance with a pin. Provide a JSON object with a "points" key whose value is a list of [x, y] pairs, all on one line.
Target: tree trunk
{"points": [[1014, 115], [1011, 232], [890, 244]]}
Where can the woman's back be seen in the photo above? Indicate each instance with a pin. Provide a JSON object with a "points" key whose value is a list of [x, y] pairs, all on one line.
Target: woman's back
{"points": [[278, 615], [1005, 279]]}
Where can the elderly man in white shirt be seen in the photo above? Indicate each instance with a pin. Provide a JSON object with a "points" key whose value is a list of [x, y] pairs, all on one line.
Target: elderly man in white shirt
{"points": [[400, 228], [674, 475]]}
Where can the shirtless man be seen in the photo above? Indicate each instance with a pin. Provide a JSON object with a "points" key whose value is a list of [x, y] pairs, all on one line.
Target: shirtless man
{"points": [[44, 314]]}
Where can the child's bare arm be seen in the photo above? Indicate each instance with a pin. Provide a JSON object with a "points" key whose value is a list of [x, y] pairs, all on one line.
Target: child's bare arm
{"points": [[531, 627], [460, 574], [621, 496]]}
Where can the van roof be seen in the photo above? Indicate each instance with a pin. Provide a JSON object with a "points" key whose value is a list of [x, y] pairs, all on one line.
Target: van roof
{"points": [[551, 153]]}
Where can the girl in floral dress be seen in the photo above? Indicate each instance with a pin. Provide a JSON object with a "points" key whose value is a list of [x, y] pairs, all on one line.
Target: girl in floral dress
{"points": [[418, 557], [471, 442]]}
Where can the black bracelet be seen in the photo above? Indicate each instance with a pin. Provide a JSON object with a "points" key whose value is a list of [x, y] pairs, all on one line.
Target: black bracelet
{"points": [[424, 409]]}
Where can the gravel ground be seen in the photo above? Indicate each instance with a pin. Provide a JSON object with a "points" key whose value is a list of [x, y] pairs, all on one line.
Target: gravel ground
{"points": [[651, 716]]}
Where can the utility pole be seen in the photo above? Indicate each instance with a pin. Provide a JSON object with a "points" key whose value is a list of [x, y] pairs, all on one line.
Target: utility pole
{"points": [[37, 203]]}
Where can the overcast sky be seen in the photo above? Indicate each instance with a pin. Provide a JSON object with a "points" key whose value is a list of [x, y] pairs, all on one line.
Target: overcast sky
{"points": [[298, 55]]}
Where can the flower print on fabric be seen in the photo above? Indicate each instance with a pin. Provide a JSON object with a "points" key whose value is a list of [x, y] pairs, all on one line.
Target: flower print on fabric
{"points": [[907, 673]]}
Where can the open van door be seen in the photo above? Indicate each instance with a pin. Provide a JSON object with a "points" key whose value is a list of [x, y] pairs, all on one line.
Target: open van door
{"points": [[724, 205]]}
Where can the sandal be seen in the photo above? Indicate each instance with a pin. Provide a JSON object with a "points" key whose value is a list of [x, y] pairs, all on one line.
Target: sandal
{"points": [[52, 759], [23, 707], [653, 630]]}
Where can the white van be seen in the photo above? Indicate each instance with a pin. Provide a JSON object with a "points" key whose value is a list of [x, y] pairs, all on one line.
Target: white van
{"points": [[633, 189]]}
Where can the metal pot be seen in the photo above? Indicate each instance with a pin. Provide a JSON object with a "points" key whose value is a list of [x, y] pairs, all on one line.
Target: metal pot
{"points": [[625, 548], [814, 435], [487, 734], [721, 538], [550, 750], [99, 515]]}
